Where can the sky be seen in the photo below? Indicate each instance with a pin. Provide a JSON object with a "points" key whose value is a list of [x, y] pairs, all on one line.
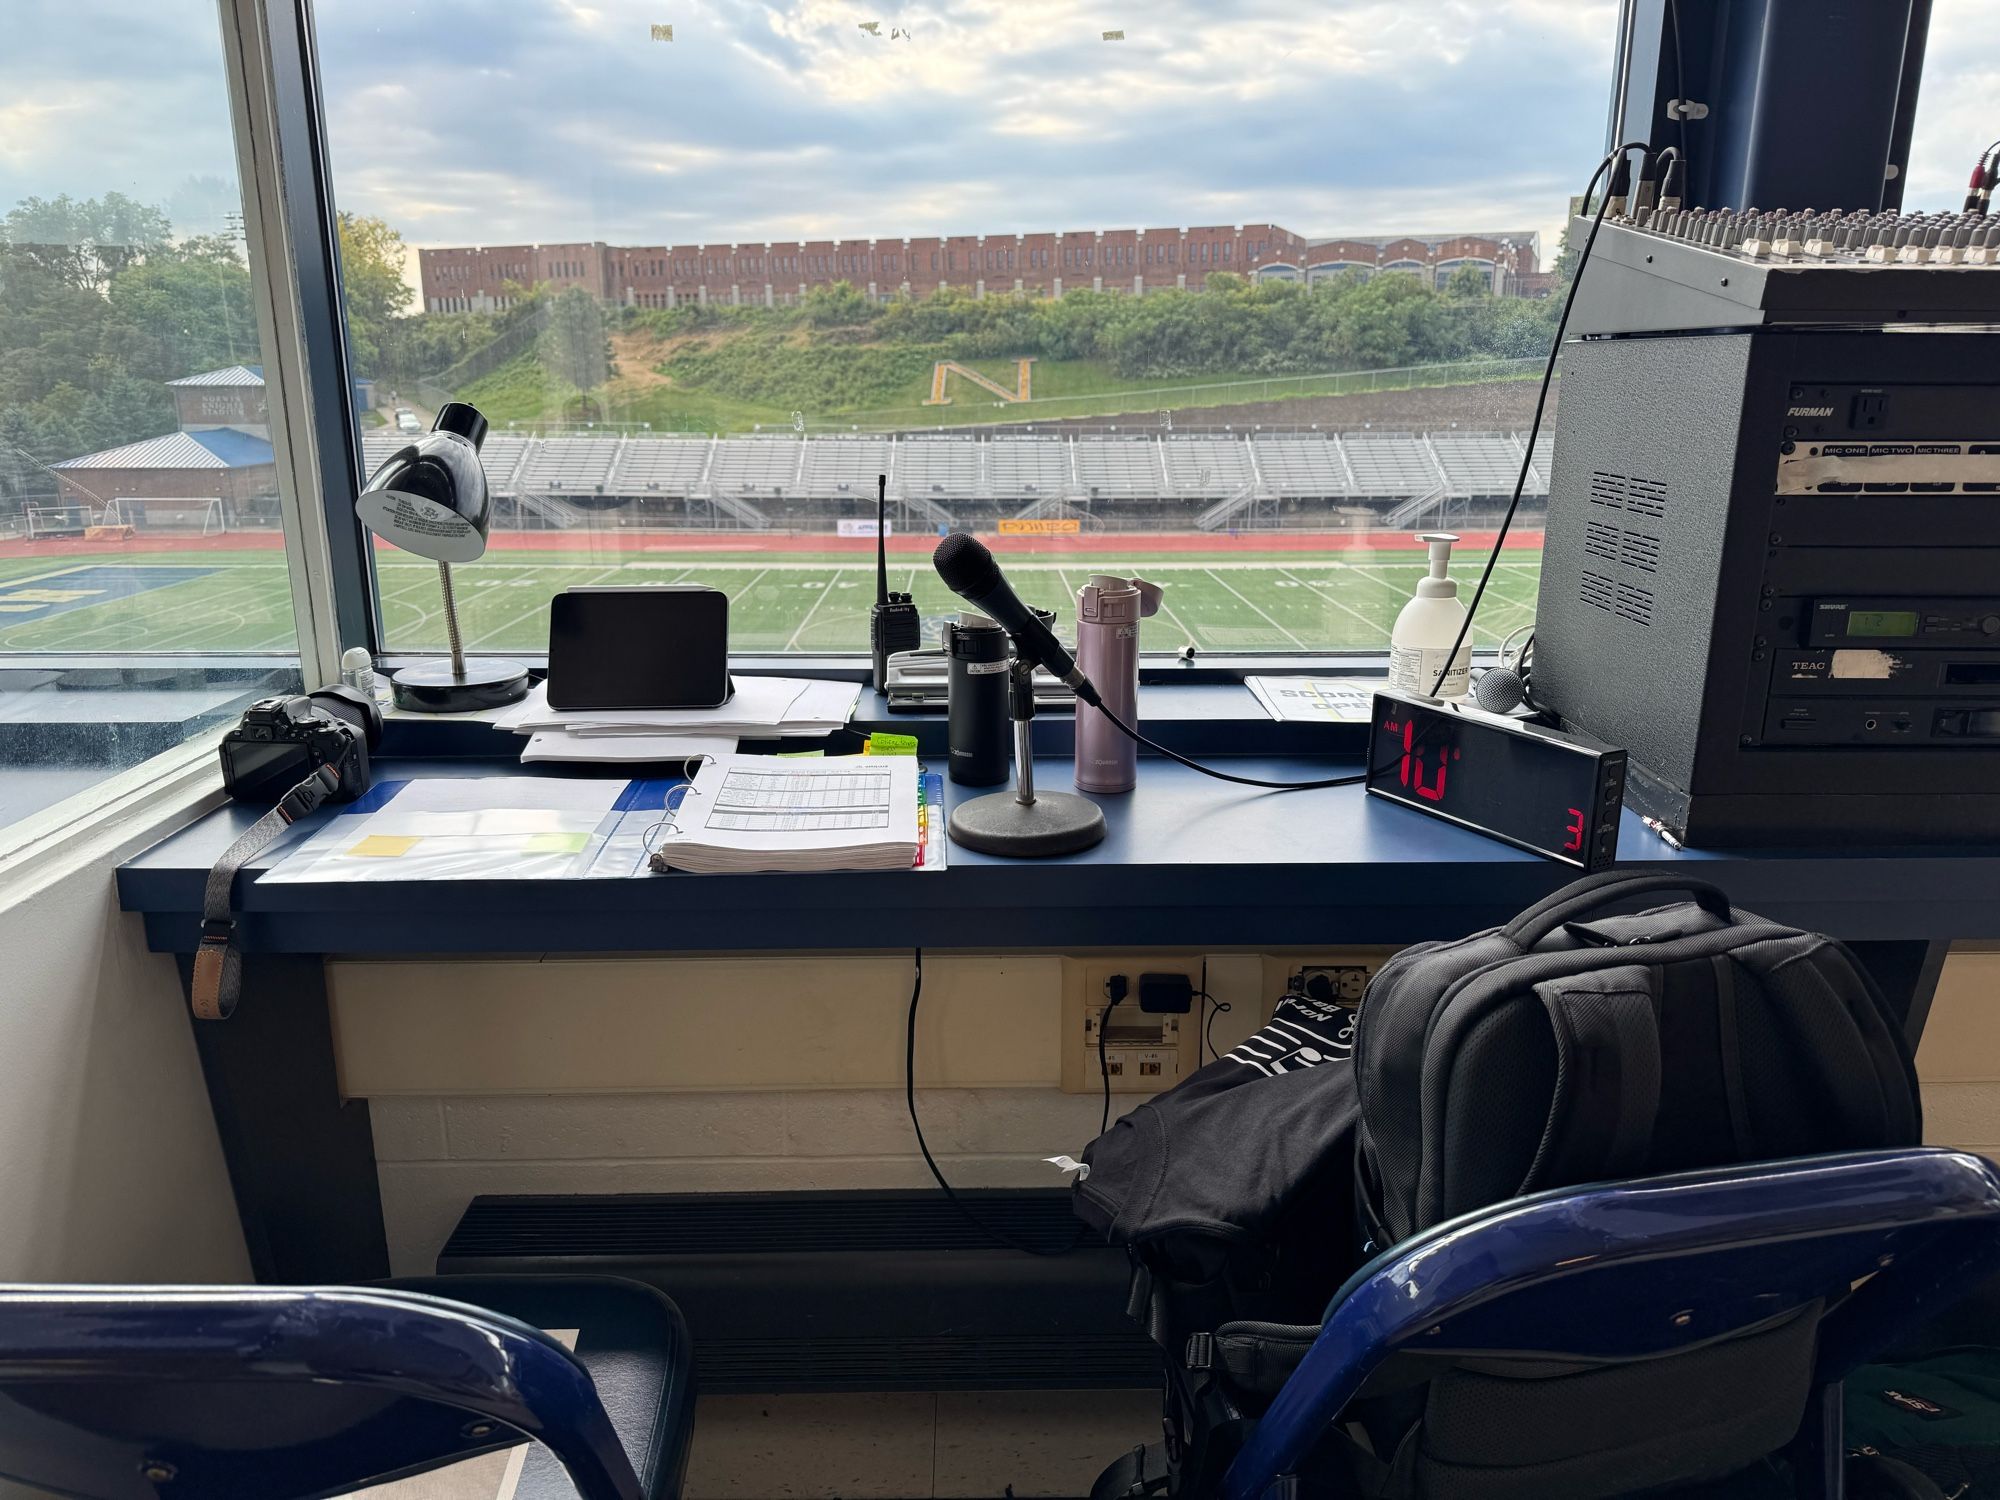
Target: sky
{"points": [[512, 121]]}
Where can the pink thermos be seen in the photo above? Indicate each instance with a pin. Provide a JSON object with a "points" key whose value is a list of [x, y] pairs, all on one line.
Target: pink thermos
{"points": [[1108, 612]]}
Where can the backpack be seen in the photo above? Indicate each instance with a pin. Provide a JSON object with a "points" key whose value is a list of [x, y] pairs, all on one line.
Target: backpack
{"points": [[1570, 1047], [1565, 1048]]}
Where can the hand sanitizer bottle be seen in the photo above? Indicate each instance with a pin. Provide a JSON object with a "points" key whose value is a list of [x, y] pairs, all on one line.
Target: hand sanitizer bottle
{"points": [[1425, 630]]}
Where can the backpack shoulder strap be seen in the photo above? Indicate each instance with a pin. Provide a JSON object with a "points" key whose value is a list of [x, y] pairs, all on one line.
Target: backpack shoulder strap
{"points": [[1607, 1092]]}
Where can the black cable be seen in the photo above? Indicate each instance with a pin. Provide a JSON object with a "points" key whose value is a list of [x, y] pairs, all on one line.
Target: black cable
{"points": [[910, 1098], [1680, 76], [1103, 1066], [1609, 163], [1215, 1008], [1194, 765]]}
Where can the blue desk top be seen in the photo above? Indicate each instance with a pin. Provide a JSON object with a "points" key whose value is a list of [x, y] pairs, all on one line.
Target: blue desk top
{"points": [[1188, 861]]}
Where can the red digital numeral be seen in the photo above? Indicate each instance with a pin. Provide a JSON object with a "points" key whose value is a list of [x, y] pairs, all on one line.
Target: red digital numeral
{"points": [[1413, 768], [1573, 831]]}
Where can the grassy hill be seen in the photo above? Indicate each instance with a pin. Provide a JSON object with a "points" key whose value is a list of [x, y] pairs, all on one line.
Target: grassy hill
{"points": [[744, 375]]}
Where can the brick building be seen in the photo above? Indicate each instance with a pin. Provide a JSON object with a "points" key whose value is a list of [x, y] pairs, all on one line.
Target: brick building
{"points": [[1134, 261]]}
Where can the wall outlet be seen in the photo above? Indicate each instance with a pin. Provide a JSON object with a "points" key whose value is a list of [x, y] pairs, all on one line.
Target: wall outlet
{"points": [[1143, 1054], [1341, 976]]}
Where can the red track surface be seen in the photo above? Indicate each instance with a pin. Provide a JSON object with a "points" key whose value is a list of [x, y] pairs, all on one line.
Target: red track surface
{"points": [[682, 543]]}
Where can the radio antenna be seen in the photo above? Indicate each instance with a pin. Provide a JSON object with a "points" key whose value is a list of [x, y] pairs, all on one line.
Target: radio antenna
{"points": [[881, 538]]}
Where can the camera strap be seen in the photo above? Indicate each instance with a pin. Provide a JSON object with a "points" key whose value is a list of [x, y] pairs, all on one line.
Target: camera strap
{"points": [[218, 966]]}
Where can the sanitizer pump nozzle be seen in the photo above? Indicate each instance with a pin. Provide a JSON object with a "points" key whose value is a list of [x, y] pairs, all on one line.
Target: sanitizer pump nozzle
{"points": [[1427, 628]]}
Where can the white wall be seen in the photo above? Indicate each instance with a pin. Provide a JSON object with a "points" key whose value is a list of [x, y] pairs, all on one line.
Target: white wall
{"points": [[109, 1165]]}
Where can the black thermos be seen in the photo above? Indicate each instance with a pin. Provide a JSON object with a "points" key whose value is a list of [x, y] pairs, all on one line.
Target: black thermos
{"points": [[981, 730]]}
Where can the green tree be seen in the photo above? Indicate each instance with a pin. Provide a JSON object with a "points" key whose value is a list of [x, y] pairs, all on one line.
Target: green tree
{"points": [[84, 243], [573, 345], [191, 306], [371, 277], [837, 306], [1466, 283]]}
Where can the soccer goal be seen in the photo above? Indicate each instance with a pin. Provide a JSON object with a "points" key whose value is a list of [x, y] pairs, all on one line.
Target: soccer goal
{"points": [[168, 515], [45, 521]]}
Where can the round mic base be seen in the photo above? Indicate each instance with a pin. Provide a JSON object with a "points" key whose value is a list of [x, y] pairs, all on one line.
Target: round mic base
{"points": [[1054, 823]]}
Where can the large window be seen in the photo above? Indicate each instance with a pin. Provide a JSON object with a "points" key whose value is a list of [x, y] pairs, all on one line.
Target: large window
{"points": [[143, 586], [615, 245]]}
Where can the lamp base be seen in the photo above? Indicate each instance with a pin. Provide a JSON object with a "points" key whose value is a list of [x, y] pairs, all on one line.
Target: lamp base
{"points": [[433, 688], [1054, 823]]}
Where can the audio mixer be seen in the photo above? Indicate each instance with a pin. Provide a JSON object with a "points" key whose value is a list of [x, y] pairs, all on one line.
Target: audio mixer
{"points": [[1772, 569]]}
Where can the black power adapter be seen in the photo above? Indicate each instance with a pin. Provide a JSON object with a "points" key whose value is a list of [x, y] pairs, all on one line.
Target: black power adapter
{"points": [[1166, 994]]}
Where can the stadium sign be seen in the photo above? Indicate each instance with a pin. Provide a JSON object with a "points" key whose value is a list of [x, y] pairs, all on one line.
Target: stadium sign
{"points": [[1055, 526], [863, 526]]}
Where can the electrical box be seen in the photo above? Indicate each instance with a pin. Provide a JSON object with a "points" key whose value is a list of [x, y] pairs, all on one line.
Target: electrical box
{"points": [[1144, 1052]]}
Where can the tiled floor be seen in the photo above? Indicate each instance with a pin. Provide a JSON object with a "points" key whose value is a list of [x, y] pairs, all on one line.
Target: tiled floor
{"points": [[913, 1446]]}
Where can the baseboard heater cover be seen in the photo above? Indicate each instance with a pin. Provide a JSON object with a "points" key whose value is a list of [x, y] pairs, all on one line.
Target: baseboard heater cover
{"points": [[833, 1291]]}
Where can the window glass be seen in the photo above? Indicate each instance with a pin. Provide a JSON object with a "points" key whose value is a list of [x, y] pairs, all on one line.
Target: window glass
{"points": [[143, 589], [1249, 412]]}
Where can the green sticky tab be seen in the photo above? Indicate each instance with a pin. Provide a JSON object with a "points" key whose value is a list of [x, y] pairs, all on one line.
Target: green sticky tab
{"points": [[556, 843], [880, 743]]}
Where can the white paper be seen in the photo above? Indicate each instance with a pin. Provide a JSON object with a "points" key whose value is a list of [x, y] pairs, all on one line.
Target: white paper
{"points": [[488, 793], [757, 702], [462, 828], [1316, 700], [625, 749], [760, 812]]}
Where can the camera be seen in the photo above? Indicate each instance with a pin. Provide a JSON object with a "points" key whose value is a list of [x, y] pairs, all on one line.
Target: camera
{"points": [[283, 741]]}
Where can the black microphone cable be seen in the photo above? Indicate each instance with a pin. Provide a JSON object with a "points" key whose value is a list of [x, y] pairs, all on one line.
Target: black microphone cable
{"points": [[1613, 162]]}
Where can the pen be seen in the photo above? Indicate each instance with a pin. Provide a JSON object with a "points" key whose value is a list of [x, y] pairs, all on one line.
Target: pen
{"points": [[1666, 834]]}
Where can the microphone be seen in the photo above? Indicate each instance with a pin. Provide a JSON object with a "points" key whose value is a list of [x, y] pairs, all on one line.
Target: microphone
{"points": [[969, 571]]}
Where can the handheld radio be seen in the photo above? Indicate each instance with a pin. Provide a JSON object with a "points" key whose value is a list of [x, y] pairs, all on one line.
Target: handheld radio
{"points": [[893, 624]]}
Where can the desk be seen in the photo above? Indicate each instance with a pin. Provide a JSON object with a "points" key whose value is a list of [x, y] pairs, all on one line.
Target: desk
{"points": [[1188, 862]]}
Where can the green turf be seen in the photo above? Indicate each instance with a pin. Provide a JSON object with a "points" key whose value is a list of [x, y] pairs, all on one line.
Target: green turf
{"points": [[780, 601]]}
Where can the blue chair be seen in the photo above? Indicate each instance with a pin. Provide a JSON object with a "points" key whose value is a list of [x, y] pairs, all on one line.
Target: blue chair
{"points": [[1729, 1288], [140, 1393]]}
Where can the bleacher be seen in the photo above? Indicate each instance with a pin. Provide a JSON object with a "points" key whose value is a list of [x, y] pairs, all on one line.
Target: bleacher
{"points": [[1477, 463], [843, 468], [567, 466], [940, 469], [501, 456], [1297, 466], [669, 467], [755, 466], [1119, 468], [1538, 474], [1154, 481], [1390, 465], [1028, 468], [1202, 468]]}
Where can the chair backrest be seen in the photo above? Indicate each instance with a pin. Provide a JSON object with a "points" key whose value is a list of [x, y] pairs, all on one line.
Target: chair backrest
{"points": [[149, 1392], [1752, 1285]]}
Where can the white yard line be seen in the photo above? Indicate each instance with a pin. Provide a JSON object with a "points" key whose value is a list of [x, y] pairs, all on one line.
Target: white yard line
{"points": [[1279, 628], [540, 603], [1324, 591], [832, 579]]}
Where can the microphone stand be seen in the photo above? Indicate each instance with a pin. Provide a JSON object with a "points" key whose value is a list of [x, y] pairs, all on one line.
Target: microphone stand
{"points": [[1019, 824]]}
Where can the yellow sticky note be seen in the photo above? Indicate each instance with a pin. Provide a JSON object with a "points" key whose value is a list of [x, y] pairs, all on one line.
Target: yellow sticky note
{"points": [[383, 846], [557, 843], [880, 743]]}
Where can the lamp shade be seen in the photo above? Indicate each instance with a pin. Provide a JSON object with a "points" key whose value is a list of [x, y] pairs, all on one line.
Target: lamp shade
{"points": [[430, 497]]}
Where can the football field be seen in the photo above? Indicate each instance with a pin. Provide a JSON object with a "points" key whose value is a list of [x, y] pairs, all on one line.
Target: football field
{"points": [[1224, 601]]}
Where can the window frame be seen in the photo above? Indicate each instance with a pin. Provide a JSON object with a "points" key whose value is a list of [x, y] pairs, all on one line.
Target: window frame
{"points": [[268, 79]]}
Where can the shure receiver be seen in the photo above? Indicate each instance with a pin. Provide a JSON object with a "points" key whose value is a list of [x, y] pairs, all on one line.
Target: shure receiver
{"points": [[1772, 569]]}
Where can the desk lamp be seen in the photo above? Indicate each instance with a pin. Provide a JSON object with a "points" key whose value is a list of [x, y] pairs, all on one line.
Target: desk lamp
{"points": [[430, 498]]}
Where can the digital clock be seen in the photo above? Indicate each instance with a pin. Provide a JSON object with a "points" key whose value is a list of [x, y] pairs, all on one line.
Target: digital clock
{"points": [[1538, 789]]}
